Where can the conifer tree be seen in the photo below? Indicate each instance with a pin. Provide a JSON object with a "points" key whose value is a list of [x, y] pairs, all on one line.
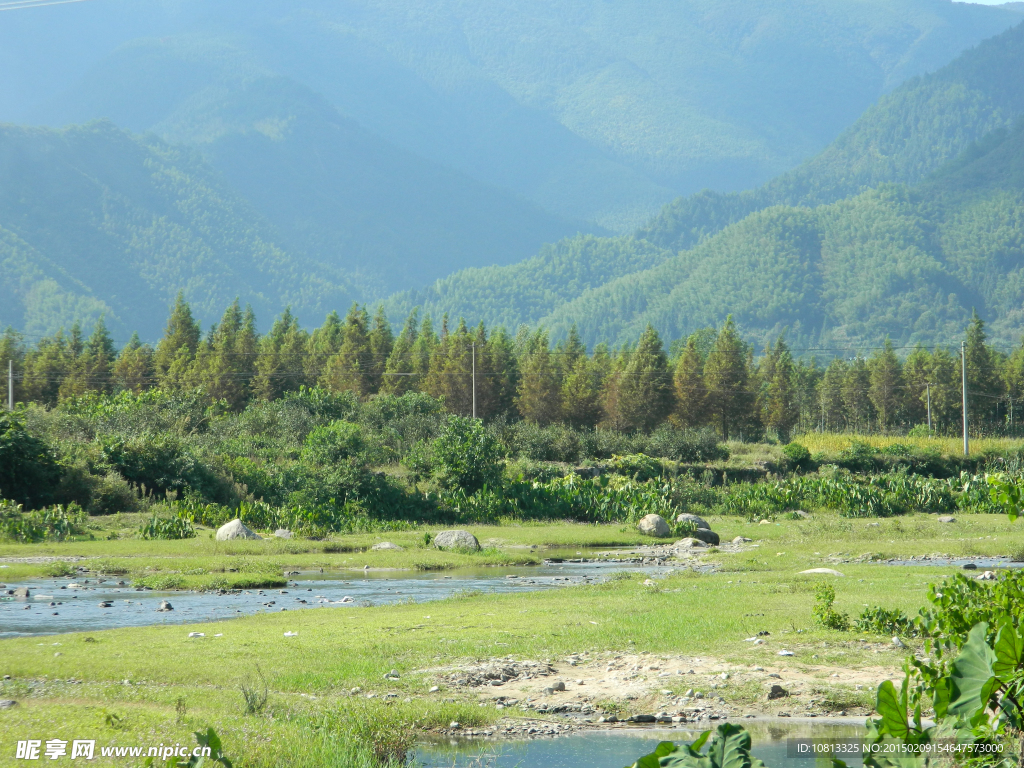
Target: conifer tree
{"points": [[888, 388], [381, 342], [856, 400], [691, 395], [727, 378], [422, 349], [280, 360], [225, 363], [46, 366], [917, 378], [134, 368], [830, 395], [450, 375], [398, 371], [352, 367], [90, 368], [778, 398], [182, 332], [983, 381], [539, 396], [645, 391], [581, 395], [324, 343], [947, 407], [502, 371]]}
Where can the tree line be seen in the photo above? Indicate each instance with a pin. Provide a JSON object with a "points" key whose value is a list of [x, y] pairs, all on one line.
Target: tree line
{"points": [[711, 378]]}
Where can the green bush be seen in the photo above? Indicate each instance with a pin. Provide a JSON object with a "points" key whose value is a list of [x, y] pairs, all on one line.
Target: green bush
{"points": [[167, 528], [334, 442], [824, 613], [111, 494], [51, 524], [637, 466], [29, 473], [466, 456], [797, 455]]}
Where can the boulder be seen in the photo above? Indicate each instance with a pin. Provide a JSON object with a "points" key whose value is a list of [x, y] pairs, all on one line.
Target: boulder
{"points": [[21, 592], [654, 525], [456, 540], [802, 514], [165, 607], [387, 545], [690, 543], [700, 522], [827, 571], [947, 519], [708, 537], [741, 540], [283, 533], [235, 530]]}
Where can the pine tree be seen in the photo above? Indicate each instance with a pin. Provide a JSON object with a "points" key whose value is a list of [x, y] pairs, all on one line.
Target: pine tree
{"points": [[727, 378], [398, 371], [91, 366], [777, 396], [451, 370], [352, 367], [46, 366], [830, 395], [917, 378], [856, 386], [134, 368], [806, 377], [225, 363], [501, 373], [984, 387], [182, 332], [691, 395], [645, 392], [280, 361], [888, 388], [946, 394], [324, 343], [581, 396], [539, 396], [422, 350], [382, 341]]}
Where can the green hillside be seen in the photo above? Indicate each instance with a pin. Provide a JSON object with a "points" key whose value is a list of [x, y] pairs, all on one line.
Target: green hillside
{"points": [[910, 263], [908, 134], [94, 221], [594, 111]]}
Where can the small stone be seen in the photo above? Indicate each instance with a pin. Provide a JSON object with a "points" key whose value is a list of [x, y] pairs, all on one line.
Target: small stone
{"points": [[7, 703], [22, 592], [970, 566], [456, 540], [765, 522], [946, 519], [802, 514], [786, 653], [454, 724], [235, 529], [434, 689], [386, 545], [559, 686], [164, 607], [898, 643], [777, 692], [107, 604], [654, 525], [392, 675], [741, 540], [987, 576]]}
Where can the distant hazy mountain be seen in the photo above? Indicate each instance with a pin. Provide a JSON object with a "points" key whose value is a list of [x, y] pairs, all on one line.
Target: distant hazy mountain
{"points": [[911, 263], [595, 111]]}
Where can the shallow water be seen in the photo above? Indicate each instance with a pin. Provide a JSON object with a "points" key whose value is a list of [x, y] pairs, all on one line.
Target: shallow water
{"points": [[618, 747], [78, 610], [982, 563]]}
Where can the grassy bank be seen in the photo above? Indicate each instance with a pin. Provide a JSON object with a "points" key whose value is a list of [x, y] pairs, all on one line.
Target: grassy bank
{"points": [[154, 684]]}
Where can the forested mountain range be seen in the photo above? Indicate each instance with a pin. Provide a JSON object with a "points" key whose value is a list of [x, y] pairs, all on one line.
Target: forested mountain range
{"points": [[910, 260], [96, 222], [596, 111]]}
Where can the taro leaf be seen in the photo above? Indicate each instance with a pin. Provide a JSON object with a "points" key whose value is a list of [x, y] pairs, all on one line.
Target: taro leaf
{"points": [[1009, 648], [940, 697], [653, 760], [893, 711], [972, 679], [730, 748], [699, 742]]}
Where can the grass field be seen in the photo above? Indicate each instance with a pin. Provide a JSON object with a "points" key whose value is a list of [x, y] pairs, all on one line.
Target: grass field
{"points": [[818, 442], [153, 685]]}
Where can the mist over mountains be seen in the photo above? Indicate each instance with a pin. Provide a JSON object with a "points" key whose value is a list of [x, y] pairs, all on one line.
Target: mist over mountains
{"points": [[313, 154]]}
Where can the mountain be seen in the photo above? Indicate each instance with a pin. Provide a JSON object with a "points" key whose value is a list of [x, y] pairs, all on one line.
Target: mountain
{"points": [[908, 263], [95, 222], [595, 111], [908, 134], [756, 253]]}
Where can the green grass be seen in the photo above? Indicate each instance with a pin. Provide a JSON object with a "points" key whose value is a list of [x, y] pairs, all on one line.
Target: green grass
{"points": [[833, 443], [311, 675]]}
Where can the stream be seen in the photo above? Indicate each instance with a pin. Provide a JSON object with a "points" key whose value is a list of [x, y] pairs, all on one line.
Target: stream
{"points": [[615, 748], [55, 607]]}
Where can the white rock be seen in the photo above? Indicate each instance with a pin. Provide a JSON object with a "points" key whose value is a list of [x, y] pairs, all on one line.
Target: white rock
{"points": [[987, 576], [235, 530], [284, 533], [690, 543], [828, 571], [196, 634], [686, 517], [456, 540], [654, 525], [291, 634], [386, 545], [786, 653], [741, 540]]}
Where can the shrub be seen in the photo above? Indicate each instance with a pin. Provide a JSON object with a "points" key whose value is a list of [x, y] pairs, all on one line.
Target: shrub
{"points": [[112, 494], [824, 613], [466, 456], [54, 523], [797, 455], [637, 466], [334, 442], [686, 445], [169, 528], [28, 470]]}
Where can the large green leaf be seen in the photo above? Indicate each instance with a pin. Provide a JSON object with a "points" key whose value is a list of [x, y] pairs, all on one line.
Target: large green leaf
{"points": [[940, 697], [1009, 648], [729, 748], [653, 760], [972, 678], [893, 710]]}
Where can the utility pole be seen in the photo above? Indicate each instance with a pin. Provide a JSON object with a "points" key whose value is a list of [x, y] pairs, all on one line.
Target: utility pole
{"points": [[963, 371], [928, 392], [10, 385], [474, 379]]}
